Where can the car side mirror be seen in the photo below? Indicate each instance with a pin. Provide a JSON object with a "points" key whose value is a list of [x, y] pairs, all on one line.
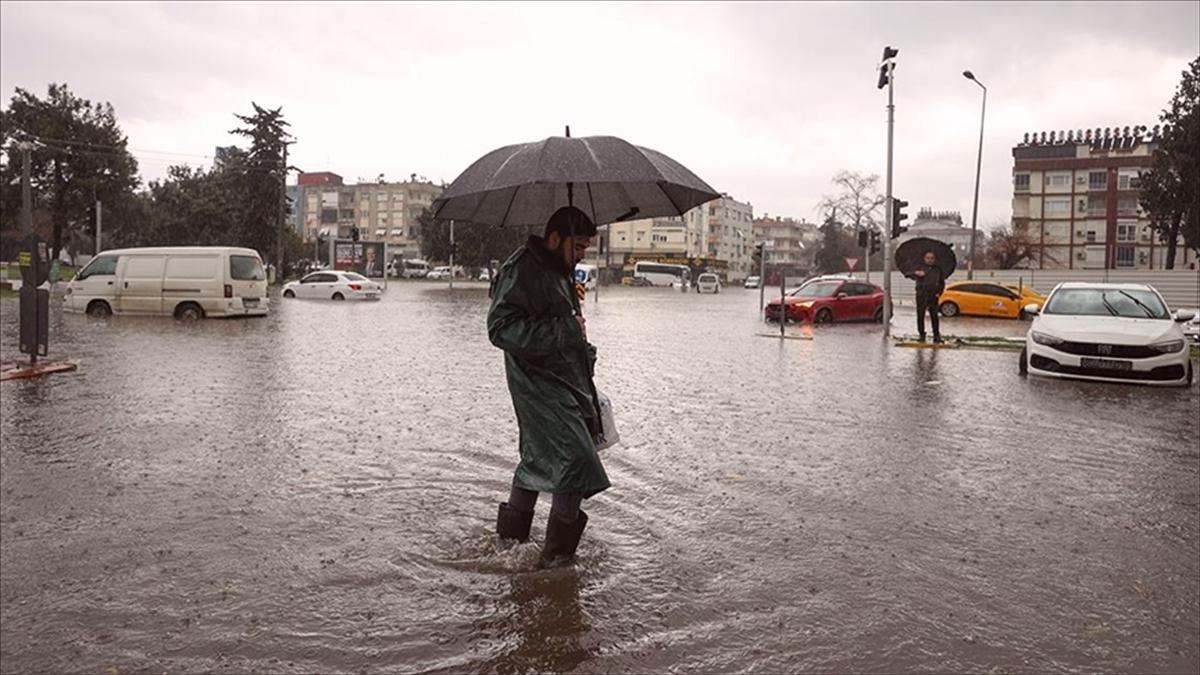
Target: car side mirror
{"points": [[1032, 309], [841, 296], [1182, 316]]}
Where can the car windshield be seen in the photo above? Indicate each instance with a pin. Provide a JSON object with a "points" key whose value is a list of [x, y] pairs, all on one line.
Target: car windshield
{"points": [[1129, 303], [819, 290]]}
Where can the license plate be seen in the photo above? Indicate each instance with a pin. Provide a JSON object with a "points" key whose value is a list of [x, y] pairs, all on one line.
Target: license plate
{"points": [[249, 303], [1106, 364]]}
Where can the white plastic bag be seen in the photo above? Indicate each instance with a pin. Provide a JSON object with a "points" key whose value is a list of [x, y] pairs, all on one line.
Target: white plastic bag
{"points": [[608, 435]]}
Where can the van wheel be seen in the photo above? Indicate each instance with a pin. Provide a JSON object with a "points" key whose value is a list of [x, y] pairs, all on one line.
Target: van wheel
{"points": [[289, 294], [99, 309], [949, 309], [1023, 368], [189, 311], [338, 296]]}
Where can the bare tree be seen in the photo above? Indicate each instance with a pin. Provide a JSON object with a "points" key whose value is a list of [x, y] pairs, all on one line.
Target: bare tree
{"points": [[857, 200], [1007, 248]]}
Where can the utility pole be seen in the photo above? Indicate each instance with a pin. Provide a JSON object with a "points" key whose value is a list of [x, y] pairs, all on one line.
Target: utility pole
{"points": [[888, 71], [451, 255], [26, 194], [762, 277], [99, 214], [282, 216]]}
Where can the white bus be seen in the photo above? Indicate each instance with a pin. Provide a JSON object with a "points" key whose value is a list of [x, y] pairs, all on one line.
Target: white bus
{"points": [[186, 282], [658, 274]]}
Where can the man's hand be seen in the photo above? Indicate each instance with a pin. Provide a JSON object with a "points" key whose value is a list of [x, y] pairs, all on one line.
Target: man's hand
{"points": [[920, 273], [582, 326]]}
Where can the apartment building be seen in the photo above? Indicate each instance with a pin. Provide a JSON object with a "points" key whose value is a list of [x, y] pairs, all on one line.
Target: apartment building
{"points": [[946, 227], [1075, 194], [726, 227], [382, 211], [790, 243]]}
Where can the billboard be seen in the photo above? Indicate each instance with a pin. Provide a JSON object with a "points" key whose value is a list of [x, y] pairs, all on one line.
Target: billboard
{"points": [[364, 257]]}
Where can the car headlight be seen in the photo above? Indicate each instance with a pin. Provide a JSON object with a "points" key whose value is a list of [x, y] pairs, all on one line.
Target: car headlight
{"points": [[1046, 339], [807, 303], [1168, 347]]}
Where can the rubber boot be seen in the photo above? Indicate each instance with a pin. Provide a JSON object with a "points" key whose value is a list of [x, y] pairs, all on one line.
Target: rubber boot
{"points": [[562, 538], [513, 524]]}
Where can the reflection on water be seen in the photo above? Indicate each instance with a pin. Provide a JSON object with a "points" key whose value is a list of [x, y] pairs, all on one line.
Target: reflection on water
{"points": [[314, 491]]}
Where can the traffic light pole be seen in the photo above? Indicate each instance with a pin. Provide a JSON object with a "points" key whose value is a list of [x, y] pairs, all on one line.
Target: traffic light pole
{"points": [[887, 236]]}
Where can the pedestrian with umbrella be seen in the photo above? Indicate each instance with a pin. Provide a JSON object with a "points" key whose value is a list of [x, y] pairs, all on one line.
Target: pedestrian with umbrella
{"points": [[928, 262], [567, 186]]}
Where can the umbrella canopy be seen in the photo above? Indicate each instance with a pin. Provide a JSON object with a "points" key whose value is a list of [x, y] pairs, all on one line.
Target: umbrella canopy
{"points": [[911, 253], [608, 178]]}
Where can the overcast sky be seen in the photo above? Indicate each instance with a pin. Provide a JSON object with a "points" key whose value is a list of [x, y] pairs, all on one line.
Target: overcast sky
{"points": [[765, 101]]}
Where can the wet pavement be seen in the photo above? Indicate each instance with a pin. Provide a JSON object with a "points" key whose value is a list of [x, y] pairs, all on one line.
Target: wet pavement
{"points": [[315, 491]]}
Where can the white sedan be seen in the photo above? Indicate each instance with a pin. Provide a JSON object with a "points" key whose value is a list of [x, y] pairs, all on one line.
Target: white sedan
{"points": [[333, 285], [1108, 333]]}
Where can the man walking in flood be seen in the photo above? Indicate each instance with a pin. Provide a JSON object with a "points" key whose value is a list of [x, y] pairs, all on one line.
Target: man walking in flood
{"points": [[931, 281], [535, 319]]}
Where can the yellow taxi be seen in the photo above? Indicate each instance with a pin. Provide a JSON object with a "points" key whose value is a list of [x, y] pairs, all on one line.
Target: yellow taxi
{"points": [[980, 298]]}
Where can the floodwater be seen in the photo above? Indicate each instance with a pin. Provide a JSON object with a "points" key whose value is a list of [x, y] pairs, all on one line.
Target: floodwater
{"points": [[316, 491]]}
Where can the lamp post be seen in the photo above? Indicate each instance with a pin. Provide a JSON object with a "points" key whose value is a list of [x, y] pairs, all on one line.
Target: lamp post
{"points": [[978, 166]]}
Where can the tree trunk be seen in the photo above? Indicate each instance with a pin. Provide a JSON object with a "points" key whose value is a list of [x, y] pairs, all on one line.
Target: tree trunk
{"points": [[1172, 239]]}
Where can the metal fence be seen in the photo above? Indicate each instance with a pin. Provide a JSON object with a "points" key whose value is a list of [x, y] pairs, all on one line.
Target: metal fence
{"points": [[1180, 288]]}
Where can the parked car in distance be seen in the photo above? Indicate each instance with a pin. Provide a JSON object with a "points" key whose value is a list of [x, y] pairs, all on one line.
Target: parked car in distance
{"points": [[708, 283], [981, 298], [752, 282], [484, 274], [1107, 333], [186, 282], [333, 285], [831, 300], [443, 272], [408, 268]]}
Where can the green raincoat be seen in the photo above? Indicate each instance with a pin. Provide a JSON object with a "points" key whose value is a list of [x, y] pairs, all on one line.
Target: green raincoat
{"points": [[550, 367]]}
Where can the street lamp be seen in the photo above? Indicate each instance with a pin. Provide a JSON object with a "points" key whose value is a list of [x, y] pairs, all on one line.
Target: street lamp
{"points": [[978, 166]]}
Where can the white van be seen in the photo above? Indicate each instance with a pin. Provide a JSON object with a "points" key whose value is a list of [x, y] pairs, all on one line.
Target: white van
{"points": [[586, 275], [186, 282]]}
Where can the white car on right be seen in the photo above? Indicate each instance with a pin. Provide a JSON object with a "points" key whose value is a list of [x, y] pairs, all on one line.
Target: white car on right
{"points": [[1107, 333]]}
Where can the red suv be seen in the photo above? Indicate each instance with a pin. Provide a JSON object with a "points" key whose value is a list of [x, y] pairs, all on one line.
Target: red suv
{"points": [[832, 300]]}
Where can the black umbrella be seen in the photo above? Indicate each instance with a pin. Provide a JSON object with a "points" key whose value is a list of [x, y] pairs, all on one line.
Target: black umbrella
{"points": [[912, 252], [608, 178]]}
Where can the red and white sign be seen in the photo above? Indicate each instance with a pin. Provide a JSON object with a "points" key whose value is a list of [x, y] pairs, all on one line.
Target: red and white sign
{"points": [[851, 262]]}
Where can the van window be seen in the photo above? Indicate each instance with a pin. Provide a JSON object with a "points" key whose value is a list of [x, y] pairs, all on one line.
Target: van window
{"points": [[192, 268], [105, 264], [246, 268]]}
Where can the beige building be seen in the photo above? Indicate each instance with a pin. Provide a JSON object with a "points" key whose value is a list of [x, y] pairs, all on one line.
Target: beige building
{"points": [[946, 227], [1075, 194], [726, 227], [382, 211], [790, 243]]}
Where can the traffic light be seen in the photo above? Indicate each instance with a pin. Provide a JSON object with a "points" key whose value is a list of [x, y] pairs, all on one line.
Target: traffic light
{"points": [[862, 238], [354, 233], [885, 67], [897, 216], [874, 241]]}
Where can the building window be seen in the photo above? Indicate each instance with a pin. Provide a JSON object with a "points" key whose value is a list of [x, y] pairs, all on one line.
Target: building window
{"points": [[1126, 232], [1021, 182], [1058, 179], [1091, 236], [1127, 207], [1124, 256], [1097, 180], [1058, 207], [1128, 181], [1096, 205]]}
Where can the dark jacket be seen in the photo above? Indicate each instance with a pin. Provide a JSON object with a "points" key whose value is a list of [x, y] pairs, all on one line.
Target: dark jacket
{"points": [[934, 281], [549, 366]]}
